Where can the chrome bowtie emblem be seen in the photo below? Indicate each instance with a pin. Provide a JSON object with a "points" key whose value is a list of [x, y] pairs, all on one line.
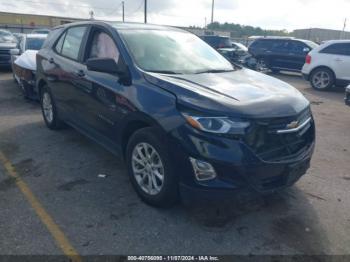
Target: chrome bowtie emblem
{"points": [[293, 124]]}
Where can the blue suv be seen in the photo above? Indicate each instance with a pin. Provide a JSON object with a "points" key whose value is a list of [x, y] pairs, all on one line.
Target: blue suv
{"points": [[185, 120]]}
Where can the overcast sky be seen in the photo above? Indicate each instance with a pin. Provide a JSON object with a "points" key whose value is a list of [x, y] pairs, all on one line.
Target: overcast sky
{"points": [[268, 14]]}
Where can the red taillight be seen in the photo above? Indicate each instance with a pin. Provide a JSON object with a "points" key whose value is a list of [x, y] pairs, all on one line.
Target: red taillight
{"points": [[308, 59]]}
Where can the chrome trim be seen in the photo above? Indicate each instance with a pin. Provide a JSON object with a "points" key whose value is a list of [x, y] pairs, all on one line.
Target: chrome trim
{"points": [[285, 131]]}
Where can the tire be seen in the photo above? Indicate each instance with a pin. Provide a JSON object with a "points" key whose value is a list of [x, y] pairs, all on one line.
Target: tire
{"points": [[49, 110], [165, 193], [322, 79], [25, 91]]}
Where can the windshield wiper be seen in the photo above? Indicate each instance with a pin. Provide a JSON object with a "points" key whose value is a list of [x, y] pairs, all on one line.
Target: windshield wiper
{"points": [[164, 72], [215, 71]]}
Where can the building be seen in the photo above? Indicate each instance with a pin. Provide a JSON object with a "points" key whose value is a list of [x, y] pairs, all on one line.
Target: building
{"points": [[319, 35], [25, 23]]}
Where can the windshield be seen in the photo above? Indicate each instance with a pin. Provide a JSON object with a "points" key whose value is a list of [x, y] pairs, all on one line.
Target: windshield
{"points": [[34, 43], [6, 36], [172, 52]]}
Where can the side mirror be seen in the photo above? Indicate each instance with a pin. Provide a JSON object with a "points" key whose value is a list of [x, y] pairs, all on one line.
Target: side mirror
{"points": [[104, 65], [14, 51]]}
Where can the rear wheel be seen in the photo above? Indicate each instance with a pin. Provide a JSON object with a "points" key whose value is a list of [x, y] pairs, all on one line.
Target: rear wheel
{"points": [[49, 110], [322, 79], [151, 169]]}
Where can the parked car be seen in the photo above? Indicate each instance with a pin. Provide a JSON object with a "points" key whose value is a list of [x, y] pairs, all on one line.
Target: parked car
{"points": [[328, 65], [7, 42], [190, 125], [218, 41], [24, 63], [43, 31], [281, 53], [347, 95], [239, 55]]}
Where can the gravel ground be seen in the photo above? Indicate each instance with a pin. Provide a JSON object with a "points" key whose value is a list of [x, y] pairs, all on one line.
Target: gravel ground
{"points": [[104, 215]]}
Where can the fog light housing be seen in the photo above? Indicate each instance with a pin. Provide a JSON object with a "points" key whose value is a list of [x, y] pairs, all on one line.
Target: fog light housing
{"points": [[202, 170]]}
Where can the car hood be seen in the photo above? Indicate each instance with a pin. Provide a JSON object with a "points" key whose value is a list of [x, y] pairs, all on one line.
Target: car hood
{"points": [[243, 93], [27, 60]]}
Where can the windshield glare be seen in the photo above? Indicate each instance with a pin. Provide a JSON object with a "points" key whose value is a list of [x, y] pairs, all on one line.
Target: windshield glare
{"points": [[34, 43], [172, 51]]}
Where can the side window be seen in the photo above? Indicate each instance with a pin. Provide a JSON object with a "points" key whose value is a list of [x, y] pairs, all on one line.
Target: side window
{"points": [[103, 46], [59, 44], [297, 47], [280, 46], [337, 49], [72, 42]]}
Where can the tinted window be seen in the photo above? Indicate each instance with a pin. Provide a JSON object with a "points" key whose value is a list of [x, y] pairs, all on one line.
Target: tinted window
{"points": [[262, 44], [72, 42], [337, 49], [34, 43], [298, 47], [59, 44], [280, 46], [218, 42]]}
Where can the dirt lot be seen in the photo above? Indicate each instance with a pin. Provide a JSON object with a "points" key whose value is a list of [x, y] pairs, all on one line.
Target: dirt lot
{"points": [[104, 216]]}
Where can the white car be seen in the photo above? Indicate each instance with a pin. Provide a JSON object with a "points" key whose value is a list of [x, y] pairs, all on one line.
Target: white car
{"points": [[328, 65]]}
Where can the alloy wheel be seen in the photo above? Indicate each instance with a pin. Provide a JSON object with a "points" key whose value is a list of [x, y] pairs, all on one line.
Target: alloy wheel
{"points": [[47, 107], [148, 168], [321, 80]]}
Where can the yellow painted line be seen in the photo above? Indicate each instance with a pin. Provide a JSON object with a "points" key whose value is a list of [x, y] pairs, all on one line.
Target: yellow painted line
{"points": [[61, 240]]}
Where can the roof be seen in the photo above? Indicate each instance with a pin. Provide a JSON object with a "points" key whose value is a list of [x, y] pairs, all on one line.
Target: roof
{"points": [[36, 36], [337, 41], [121, 25]]}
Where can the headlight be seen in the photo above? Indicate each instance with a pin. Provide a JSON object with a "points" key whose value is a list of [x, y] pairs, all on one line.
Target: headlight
{"points": [[219, 125]]}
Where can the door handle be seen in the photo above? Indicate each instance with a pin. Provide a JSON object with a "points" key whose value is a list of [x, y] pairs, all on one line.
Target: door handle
{"points": [[80, 73], [338, 60]]}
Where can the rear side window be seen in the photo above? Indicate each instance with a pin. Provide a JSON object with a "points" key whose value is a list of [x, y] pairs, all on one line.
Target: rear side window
{"points": [[72, 42], [298, 47], [337, 49], [59, 44], [261, 44]]}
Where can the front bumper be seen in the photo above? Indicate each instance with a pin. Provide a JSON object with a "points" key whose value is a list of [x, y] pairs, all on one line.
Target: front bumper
{"points": [[236, 165], [347, 96]]}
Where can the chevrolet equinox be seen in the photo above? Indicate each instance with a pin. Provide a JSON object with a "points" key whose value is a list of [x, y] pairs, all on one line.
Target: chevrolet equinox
{"points": [[184, 119]]}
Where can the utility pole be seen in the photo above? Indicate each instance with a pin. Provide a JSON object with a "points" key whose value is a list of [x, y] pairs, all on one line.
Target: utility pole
{"points": [[145, 11], [344, 28], [212, 11], [123, 11]]}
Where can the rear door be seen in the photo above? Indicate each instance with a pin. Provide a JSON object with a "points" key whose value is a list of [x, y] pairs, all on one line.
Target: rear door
{"points": [[66, 68], [279, 54], [339, 59], [297, 52]]}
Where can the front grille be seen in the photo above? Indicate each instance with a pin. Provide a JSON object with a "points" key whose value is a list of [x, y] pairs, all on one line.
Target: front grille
{"points": [[272, 147], [4, 51]]}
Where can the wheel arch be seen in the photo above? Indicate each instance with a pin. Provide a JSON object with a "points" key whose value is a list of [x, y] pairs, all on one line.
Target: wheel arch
{"points": [[323, 66], [134, 124], [41, 83]]}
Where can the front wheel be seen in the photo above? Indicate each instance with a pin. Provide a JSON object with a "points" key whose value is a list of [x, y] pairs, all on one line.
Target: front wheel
{"points": [[151, 169], [49, 110], [322, 79]]}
